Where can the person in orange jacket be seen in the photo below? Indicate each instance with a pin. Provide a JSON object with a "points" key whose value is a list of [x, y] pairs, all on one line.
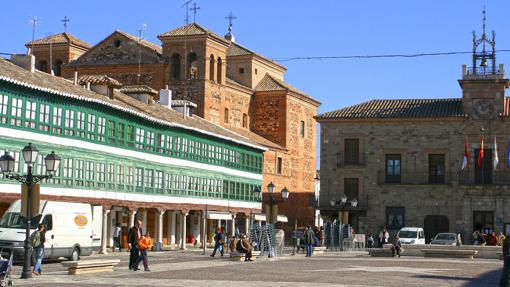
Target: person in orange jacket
{"points": [[144, 244]]}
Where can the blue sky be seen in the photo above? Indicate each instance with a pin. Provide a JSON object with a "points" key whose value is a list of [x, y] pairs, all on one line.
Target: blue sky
{"points": [[281, 29]]}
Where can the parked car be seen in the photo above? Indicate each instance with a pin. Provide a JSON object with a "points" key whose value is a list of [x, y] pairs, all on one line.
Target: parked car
{"points": [[411, 235], [444, 239]]}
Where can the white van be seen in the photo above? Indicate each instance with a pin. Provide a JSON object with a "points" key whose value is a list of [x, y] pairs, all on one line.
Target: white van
{"points": [[411, 235], [73, 229]]}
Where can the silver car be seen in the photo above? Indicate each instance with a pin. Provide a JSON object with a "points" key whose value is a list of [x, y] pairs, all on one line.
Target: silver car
{"points": [[445, 239]]}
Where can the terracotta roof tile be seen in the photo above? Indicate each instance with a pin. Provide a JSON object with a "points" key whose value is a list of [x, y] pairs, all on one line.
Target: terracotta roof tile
{"points": [[256, 138], [180, 103], [138, 89], [155, 113], [145, 43], [192, 29], [391, 109], [236, 49], [60, 38], [270, 83], [99, 79]]}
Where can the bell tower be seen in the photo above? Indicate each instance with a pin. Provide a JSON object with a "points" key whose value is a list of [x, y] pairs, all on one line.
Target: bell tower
{"points": [[483, 84]]}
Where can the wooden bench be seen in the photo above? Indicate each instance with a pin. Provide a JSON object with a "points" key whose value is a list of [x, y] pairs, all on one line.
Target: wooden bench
{"points": [[379, 252], [90, 266], [318, 249], [236, 256], [449, 253]]}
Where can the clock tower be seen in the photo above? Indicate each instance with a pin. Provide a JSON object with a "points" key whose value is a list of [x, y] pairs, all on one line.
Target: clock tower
{"points": [[484, 84]]}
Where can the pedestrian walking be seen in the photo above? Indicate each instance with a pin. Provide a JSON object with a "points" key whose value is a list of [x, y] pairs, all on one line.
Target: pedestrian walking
{"points": [[134, 235], [218, 242], [396, 247], [117, 235], [38, 238], [144, 244], [309, 240]]}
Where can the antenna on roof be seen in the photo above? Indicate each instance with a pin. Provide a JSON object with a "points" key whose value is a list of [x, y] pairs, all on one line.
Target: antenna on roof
{"points": [[186, 20], [34, 21], [65, 21], [194, 9], [142, 28]]}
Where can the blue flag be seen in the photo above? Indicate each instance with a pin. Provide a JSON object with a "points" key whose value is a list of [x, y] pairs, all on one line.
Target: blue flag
{"points": [[508, 156]]}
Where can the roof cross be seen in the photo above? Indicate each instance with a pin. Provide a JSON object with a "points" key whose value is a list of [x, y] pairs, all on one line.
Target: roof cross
{"points": [[230, 18], [65, 21], [194, 9]]}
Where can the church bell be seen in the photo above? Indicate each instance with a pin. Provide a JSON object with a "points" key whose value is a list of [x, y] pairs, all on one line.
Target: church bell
{"points": [[483, 63]]}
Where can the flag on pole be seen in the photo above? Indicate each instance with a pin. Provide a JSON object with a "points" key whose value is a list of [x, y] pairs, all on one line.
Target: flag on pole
{"points": [[495, 159], [466, 155], [480, 153]]}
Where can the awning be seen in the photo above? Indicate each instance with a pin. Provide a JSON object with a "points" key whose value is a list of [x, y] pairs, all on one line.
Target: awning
{"points": [[219, 215], [262, 217]]}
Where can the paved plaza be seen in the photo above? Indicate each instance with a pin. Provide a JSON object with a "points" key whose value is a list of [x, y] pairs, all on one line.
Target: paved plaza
{"points": [[191, 268]]}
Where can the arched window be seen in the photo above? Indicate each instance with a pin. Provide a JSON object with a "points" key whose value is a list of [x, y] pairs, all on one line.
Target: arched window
{"points": [[211, 67], [226, 116], [42, 65], [175, 67], [192, 66], [218, 77], [57, 67]]}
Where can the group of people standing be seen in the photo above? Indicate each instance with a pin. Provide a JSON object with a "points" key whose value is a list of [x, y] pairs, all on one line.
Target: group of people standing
{"points": [[488, 237], [313, 237]]}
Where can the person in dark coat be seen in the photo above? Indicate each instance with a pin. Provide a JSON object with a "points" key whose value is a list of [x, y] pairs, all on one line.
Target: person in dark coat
{"points": [[134, 235], [244, 246], [218, 241], [396, 247]]}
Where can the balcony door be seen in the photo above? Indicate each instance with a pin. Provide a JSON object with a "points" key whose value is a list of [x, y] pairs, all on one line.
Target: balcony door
{"points": [[483, 174]]}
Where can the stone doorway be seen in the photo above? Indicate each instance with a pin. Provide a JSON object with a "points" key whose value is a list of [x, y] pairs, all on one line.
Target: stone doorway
{"points": [[435, 224]]}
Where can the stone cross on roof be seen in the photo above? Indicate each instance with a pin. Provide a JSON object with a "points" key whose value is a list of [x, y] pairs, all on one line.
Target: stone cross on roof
{"points": [[194, 9]]}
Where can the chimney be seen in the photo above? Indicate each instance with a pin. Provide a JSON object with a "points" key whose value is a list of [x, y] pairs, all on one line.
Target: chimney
{"points": [[100, 84], [26, 62], [75, 81], [142, 93], [165, 98]]}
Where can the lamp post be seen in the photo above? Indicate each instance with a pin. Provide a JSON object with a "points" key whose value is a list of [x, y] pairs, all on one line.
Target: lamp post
{"points": [[7, 162], [270, 190]]}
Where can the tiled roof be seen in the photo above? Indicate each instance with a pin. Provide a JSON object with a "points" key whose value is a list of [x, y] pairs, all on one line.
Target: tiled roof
{"points": [[99, 79], [270, 83], [155, 113], [60, 38], [256, 138], [192, 29], [138, 89], [180, 103], [391, 109], [237, 50], [143, 42]]}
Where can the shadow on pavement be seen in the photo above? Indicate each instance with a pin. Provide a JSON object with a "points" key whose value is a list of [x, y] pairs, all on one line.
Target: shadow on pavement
{"points": [[484, 280]]}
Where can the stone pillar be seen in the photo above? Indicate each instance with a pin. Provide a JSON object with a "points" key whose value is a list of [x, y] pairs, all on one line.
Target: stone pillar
{"points": [[247, 226], [104, 232], [160, 228], [198, 235], [109, 232], [345, 217], [183, 234], [144, 220], [172, 227], [233, 226], [219, 223], [203, 230], [132, 216]]}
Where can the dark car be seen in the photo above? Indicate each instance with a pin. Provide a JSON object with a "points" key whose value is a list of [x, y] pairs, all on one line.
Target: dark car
{"points": [[444, 239]]}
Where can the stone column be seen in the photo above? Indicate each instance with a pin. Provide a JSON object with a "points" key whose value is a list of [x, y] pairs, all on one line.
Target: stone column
{"points": [[198, 235], [104, 232], [219, 223], [233, 226], [132, 216], [204, 230], [144, 220], [247, 226], [160, 227], [183, 234], [345, 217], [172, 227], [109, 232]]}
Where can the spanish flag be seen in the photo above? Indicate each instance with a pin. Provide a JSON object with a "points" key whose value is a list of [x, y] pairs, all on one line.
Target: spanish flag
{"points": [[479, 161]]}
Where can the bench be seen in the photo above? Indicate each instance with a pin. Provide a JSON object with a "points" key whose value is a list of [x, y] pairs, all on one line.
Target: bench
{"points": [[380, 252], [448, 253], [90, 266], [318, 249], [236, 256]]}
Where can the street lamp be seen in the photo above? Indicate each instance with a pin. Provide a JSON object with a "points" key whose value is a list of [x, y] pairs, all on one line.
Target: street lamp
{"points": [[270, 190], [7, 162]]}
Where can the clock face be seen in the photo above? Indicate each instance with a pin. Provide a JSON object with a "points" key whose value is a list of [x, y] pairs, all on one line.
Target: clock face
{"points": [[483, 109]]}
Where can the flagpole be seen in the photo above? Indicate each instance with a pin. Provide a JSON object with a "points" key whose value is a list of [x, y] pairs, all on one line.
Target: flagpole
{"points": [[481, 149]]}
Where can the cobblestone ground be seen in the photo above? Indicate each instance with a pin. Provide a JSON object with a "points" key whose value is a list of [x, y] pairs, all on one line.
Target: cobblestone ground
{"points": [[191, 268]]}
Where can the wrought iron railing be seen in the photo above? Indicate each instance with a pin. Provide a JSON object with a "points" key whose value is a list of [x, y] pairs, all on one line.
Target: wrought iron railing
{"points": [[413, 178], [482, 71]]}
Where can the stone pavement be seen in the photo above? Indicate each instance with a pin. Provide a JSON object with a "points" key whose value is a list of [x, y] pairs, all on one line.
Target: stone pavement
{"points": [[191, 268]]}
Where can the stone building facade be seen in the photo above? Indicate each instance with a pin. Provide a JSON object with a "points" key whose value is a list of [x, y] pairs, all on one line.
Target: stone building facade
{"points": [[232, 86], [402, 160]]}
